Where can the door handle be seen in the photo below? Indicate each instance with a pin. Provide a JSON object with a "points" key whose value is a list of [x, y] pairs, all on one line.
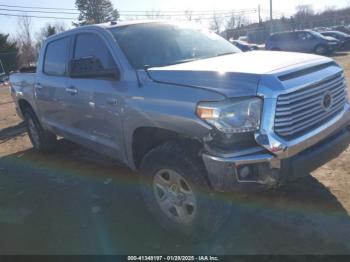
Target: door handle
{"points": [[112, 101], [72, 90]]}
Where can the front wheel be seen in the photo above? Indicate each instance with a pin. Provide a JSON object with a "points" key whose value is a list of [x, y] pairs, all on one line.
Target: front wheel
{"points": [[321, 50], [178, 195]]}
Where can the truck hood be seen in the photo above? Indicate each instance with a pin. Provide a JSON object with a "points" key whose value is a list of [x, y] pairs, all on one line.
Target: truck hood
{"points": [[233, 75]]}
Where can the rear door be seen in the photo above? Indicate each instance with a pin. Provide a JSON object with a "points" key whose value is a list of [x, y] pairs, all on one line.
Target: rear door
{"points": [[51, 83], [95, 103]]}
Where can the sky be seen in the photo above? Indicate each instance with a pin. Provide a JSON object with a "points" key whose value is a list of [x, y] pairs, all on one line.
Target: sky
{"points": [[286, 7]]}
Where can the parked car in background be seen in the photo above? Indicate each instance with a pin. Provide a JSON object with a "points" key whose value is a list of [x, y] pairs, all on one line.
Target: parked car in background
{"points": [[305, 41], [244, 46], [344, 39], [340, 28], [243, 38]]}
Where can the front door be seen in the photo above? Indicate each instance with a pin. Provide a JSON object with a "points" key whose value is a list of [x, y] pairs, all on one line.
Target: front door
{"points": [[95, 103], [306, 42]]}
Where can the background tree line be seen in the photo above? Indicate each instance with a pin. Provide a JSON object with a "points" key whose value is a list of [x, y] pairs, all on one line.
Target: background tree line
{"points": [[304, 18], [22, 48]]}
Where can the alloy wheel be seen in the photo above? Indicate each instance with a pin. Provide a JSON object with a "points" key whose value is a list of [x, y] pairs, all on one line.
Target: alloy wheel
{"points": [[175, 196]]}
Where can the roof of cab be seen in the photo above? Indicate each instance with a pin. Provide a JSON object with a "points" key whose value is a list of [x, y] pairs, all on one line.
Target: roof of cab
{"points": [[131, 22], [108, 25]]}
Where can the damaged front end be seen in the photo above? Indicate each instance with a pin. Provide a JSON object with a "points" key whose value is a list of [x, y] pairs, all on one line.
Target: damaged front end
{"points": [[305, 123]]}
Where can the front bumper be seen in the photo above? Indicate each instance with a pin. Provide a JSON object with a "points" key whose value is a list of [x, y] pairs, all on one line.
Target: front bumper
{"points": [[279, 161]]}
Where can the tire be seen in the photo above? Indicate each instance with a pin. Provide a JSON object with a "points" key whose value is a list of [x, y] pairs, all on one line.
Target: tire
{"points": [[321, 50], [201, 213], [42, 140]]}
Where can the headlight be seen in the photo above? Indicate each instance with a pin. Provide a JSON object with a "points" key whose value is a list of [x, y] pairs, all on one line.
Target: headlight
{"points": [[232, 116]]}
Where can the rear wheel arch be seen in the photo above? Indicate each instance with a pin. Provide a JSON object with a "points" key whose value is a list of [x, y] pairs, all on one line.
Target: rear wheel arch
{"points": [[43, 140], [24, 105]]}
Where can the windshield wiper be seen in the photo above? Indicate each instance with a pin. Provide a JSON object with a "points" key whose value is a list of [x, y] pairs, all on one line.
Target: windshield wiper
{"points": [[182, 61], [228, 53], [146, 67]]}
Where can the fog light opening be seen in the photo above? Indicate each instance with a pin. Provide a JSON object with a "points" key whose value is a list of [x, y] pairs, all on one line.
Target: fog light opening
{"points": [[247, 173]]}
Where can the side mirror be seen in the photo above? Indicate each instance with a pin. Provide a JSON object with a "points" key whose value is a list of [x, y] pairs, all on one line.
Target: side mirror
{"points": [[310, 37], [91, 67]]}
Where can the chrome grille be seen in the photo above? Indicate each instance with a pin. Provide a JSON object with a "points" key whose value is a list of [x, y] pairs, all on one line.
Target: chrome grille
{"points": [[300, 111]]}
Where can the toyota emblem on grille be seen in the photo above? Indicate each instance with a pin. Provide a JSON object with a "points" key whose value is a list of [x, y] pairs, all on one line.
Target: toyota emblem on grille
{"points": [[327, 101]]}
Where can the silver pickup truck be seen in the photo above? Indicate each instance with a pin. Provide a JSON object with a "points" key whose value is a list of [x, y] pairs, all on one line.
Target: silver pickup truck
{"points": [[184, 107]]}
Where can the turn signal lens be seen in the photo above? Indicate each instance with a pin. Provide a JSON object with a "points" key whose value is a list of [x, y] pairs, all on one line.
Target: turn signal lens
{"points": [[205, 113]]}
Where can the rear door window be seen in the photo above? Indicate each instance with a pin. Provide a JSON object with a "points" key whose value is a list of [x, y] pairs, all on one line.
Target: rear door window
{"points": [[56, 57], [276, 37], [304, 36], [284, 37]]}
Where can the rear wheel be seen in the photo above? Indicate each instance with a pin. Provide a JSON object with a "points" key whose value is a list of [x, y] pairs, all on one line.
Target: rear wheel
{"points": [[178, 195], [42, 140]]}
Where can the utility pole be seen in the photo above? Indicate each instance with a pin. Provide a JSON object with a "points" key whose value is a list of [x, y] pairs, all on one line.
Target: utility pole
{"points": [[259, 13], [271, 18]]}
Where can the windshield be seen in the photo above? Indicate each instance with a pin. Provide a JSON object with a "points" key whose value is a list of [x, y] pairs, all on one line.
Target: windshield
{"points": [[161, 44], [337, 33], [317, 34]]}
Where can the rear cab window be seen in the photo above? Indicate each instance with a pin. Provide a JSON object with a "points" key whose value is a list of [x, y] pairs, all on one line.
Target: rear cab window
{"points": [[304, 36], [56, 57]]}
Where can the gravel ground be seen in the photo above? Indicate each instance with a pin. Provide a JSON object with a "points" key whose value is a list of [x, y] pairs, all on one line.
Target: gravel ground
{"points": [[78, 202]]}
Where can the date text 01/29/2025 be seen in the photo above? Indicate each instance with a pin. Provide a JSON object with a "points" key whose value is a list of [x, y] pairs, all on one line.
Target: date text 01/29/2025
{"points": [[173, 258]]}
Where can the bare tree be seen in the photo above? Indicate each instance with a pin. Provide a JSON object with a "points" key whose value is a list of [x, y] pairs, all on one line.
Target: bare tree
{"points": [[304, 16], [216, 23], [305, 10], [189, 15], [47, 31], [154, 14], [231, 22], [27, 52], [197, 19], [60, 26]]}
